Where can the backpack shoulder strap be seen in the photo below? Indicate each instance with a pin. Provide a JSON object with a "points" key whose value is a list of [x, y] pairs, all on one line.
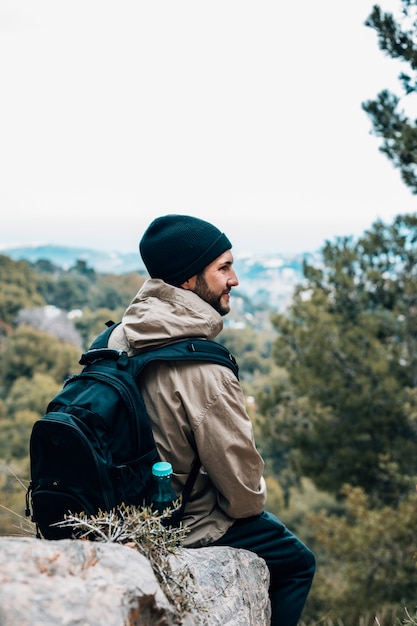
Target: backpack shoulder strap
{"points": [[191, 350], [184, 350]]}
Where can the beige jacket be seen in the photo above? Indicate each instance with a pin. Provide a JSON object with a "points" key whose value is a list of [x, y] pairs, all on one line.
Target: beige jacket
{"points": [[196, 408]]}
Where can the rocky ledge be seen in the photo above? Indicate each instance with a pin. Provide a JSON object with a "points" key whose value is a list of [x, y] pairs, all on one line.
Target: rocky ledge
{"points": [[83, 583]]}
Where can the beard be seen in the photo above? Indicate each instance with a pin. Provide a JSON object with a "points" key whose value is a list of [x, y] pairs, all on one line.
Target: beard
{"points": [[205, 293]]}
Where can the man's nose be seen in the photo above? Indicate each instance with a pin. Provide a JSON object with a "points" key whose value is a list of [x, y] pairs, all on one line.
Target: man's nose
{"points": [[233, 280]]}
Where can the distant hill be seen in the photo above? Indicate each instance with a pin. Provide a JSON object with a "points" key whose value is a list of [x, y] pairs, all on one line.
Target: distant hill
{"points": [[65, 257], [264, 278]]}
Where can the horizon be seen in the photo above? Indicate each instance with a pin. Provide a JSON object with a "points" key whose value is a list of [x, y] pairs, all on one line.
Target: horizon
{"points": [[261, 237], [239, 251]]}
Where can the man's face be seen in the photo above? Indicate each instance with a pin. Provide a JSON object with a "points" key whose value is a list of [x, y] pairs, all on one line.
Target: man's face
{"points": [[215, 283]]}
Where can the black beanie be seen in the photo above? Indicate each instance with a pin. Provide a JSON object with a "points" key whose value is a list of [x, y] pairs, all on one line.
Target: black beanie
{"points": [[176, 247]]}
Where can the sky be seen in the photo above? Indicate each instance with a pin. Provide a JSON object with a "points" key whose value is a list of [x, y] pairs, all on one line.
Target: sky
{"points": [[246, 114]]}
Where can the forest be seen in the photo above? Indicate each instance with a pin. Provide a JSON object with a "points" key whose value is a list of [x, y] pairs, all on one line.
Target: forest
{"points": [[331, 388], [330, 383]]}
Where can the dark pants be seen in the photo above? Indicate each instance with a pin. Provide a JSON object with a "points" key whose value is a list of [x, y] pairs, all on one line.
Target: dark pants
{"points": [[291, 564]]}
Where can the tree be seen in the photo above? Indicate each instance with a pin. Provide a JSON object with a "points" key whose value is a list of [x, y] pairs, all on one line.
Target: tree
{"points": [[398, 39], [15, 435], [349, 343], [28, 351], [251, 348], [31, 394], [367, 559], [70, 292], [19, 288], [92, 323], [114, 291]]}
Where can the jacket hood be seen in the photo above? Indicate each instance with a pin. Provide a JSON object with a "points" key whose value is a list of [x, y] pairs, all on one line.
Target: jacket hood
{"points": [[161, 313]]}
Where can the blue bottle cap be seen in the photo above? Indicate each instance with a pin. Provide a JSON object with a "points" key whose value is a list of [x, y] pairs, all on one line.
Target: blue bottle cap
{"points": [[162, 469]]}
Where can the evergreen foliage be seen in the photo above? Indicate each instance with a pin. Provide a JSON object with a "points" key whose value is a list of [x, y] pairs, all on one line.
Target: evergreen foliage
{"points": [[28, 351], [19, 288], [397, 37], [349, 345], [368, 561]]}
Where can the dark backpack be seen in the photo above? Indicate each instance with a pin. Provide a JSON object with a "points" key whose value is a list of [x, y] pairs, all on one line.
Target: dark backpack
{"points": [[94, 448]]}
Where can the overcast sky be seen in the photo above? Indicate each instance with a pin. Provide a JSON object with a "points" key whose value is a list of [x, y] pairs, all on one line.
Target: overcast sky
{"points": [[246, 113]]}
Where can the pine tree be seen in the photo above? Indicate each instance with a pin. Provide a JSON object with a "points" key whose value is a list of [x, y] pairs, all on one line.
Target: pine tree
{"points": [[397, 37], [349, 344]]}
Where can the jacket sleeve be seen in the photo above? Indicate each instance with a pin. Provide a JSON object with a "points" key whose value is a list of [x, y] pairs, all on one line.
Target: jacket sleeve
{"points": [[225, 442]]}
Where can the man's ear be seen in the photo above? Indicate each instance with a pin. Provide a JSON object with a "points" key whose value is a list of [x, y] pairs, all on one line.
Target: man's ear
{"points": [[189, 283]]}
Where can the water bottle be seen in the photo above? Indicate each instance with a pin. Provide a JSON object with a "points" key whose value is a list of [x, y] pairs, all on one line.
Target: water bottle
{"points": [[163, 495]]}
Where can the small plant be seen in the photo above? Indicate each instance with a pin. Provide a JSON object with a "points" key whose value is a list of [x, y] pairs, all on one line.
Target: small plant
{"points": [[148, 532], [409, 620]]}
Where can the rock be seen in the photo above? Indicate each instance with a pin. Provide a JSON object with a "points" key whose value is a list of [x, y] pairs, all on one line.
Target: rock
{"points": [[232, 586], [82, 583]]}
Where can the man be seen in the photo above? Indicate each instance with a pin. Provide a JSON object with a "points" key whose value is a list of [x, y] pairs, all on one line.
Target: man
{"points": [[198, 409]]}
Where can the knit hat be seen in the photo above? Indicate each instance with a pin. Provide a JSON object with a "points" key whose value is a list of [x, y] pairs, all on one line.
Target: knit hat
{"points": [[176, 247]]}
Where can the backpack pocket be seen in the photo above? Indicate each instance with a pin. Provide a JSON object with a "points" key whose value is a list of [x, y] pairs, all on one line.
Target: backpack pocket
{"points": [[70, 473], [134, 479], [51, 506]]}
